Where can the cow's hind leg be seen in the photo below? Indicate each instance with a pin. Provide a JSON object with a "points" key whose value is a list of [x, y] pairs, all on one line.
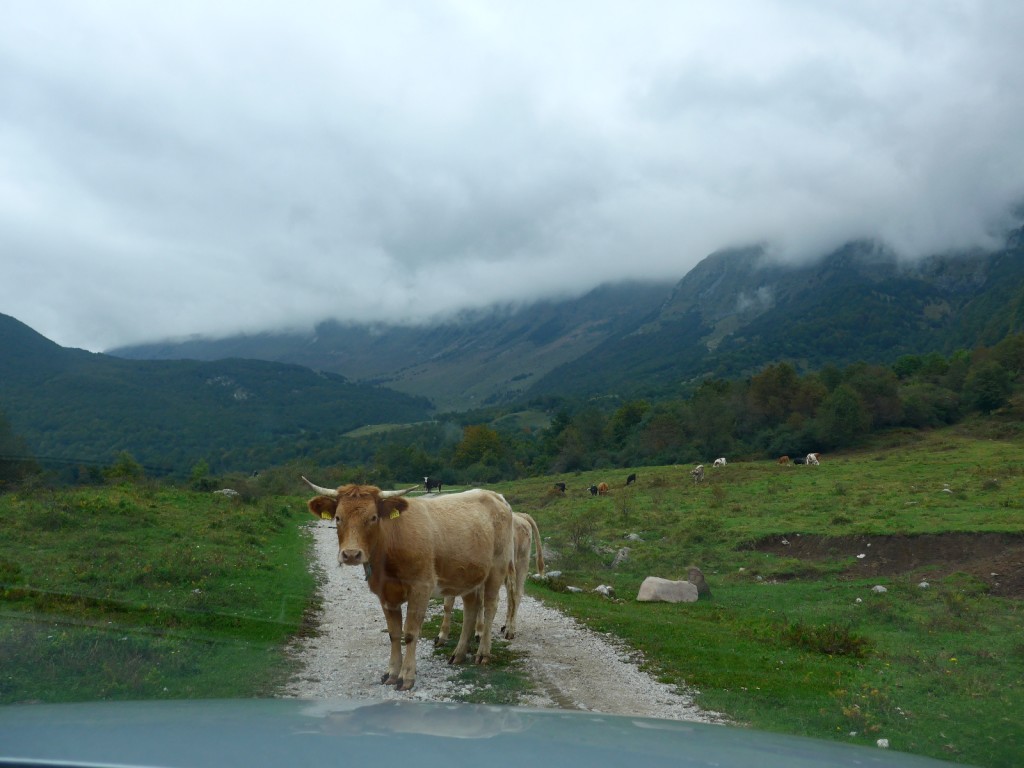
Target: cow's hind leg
{"points": [[446, 622], [490, 607], [514, 585], [393, 616]]}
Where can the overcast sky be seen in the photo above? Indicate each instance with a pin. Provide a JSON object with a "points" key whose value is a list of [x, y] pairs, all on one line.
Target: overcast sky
{"points": [[211, 167]]}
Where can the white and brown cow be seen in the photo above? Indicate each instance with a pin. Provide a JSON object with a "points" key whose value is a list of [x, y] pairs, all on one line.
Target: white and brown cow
{"points": [[526, 533], [457, 544]]}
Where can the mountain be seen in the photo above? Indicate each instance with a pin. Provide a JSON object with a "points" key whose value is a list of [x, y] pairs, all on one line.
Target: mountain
{"points": [[739, 310], [477, 359], [735, 312], [78, 406]]}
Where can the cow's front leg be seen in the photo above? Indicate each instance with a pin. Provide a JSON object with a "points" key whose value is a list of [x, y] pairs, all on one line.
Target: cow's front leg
{"points": [[470, 611], [418, 600], [393, 616]]}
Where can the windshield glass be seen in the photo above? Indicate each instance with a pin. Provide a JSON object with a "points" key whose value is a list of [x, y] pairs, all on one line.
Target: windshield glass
{"points": [[645, 360]]}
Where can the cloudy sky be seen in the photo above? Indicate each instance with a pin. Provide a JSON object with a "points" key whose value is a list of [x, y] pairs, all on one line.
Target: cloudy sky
{"points": [[176, 168]]}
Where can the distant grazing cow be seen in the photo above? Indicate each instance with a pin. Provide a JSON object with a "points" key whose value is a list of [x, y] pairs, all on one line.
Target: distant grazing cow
{"points": [[430, 484], [720, 462], [800, 460], [812, 458], [593, 490], [560, 487], [459, 544], [783, 459], [631, 479], [602, 488], [697, 473], [527, 534]]}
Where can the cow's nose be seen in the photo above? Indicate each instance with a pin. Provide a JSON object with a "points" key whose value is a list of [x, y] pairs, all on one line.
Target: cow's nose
{"points": [[351, 556]]}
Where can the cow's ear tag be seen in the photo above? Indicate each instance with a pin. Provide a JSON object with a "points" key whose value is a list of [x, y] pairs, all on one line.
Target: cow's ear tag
{"points": [[325, 515], [394, 513]]}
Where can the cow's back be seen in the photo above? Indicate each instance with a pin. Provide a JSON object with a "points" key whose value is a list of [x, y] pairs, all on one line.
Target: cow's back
{"points": [[470, 533]]}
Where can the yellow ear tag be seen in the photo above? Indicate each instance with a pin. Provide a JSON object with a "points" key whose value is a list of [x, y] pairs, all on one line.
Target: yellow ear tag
{"points": [[394, 513], [325, 515]]}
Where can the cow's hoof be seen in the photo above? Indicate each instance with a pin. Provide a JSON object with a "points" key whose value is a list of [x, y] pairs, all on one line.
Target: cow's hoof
{"points": [[456, 658], [389, 679], [483, 659], [404, 686], [439, 641]]}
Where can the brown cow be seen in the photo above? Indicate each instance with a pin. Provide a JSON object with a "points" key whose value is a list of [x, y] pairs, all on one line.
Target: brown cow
{"points": [[783, 459], [458, 544], [602, 488], [526, 532]]}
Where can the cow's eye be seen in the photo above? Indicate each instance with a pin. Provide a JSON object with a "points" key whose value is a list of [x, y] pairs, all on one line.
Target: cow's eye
{"points": [[373, 519]]}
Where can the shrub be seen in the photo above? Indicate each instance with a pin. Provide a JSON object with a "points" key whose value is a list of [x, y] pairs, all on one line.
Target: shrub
{"points": [[830, 639]]}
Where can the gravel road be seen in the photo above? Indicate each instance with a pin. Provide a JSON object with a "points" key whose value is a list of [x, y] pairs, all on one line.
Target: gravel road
{"points": [[572, 666]]}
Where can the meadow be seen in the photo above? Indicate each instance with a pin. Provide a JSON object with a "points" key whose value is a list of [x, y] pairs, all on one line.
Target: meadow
{"points": [[802, 643], [144, 591]]}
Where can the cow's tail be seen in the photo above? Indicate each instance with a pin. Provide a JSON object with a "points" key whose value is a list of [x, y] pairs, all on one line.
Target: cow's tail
{"points": [[511, 580], [536, 541], [511, 593]]}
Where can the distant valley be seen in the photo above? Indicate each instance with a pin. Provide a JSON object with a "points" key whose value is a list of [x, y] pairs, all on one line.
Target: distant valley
{"points": [[735, 312], [265, 399]]}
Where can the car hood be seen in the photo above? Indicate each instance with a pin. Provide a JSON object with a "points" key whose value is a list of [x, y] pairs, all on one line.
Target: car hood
{"points": [[277, 732]]}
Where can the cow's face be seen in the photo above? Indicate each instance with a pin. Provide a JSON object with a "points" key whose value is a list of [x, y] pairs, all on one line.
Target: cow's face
{"points": [[360, 513]]}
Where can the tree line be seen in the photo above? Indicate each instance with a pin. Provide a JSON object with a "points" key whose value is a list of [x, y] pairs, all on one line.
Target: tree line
{"points": [[776, 411]]}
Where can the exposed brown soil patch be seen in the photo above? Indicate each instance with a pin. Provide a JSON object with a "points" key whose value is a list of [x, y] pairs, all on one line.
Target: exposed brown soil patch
{"points": [[995, 558]]}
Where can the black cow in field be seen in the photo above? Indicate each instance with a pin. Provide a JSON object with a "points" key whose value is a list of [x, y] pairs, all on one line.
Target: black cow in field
{"points": [[631, 479], [593, 490], [430, 484], [560, 487]]}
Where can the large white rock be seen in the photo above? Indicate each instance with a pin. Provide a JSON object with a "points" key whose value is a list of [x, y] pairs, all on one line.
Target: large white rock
{"points": [[655, 589]]}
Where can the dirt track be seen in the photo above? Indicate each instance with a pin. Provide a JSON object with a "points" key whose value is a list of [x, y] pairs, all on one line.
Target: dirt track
{"points": [[996, 559], [573, 667]]}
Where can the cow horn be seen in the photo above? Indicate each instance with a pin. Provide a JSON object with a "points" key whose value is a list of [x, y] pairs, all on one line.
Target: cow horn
{"points": [[389, 494], [332, 492]]}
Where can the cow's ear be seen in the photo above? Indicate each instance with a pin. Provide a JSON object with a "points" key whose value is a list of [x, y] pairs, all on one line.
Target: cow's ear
{"points": [[322, 507], [392, 507]]}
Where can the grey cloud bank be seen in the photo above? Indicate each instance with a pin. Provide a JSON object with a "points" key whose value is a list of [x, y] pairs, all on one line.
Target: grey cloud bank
{"points": [[203, 168]]}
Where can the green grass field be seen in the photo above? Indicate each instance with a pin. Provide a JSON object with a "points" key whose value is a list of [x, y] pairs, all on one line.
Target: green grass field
{"points": [[802, 645], [142, 591], [146, 592]]}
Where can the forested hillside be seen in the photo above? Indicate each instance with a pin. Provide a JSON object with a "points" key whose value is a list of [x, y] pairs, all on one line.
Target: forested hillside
{"points": [[78, 407], [745, 356], [475, 359], [732, 314], [738, 311], [777, 411]]}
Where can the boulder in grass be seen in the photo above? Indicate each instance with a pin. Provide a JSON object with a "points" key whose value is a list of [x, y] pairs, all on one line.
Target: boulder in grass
{"points": [[696, 577], [658, 590]]}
